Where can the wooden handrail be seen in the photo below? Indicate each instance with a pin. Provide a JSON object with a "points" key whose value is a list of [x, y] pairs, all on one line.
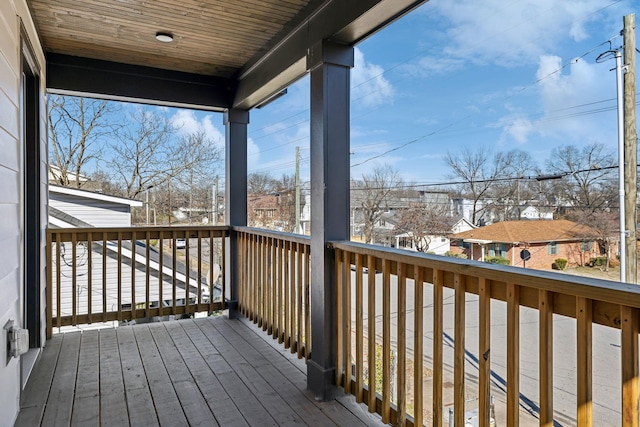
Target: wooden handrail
{"points": [[88, 285], [587, 300]]}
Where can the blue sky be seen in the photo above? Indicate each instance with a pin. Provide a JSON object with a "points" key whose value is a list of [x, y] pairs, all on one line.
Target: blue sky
{"points": [[451, 74]]}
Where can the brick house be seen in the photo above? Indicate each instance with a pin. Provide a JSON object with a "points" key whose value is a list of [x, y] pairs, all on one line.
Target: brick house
{"points": [[545, 240]]}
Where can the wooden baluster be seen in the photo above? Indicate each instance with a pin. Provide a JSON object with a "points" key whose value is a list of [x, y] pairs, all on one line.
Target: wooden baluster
{"points": [[437, 347], [281, 280], [58, 283], [402, 345], [299, 294], [340, 367], [261, 281], [307, 293], [359, 391], [104, 277], [418, 361], [89, 276], [274, 286], [119, 308], [212, 265], [371, 332], [484, 351], [174, 260], [223, 274], [49, 289], [199, 298], [386, 341], [133, 274], [160, 274], [545, 311], [584, 316], [287, 273], [347, 322], [74, 279], [459, 348], [292, 299], [147, 276], [513, 355], [629, 325]]}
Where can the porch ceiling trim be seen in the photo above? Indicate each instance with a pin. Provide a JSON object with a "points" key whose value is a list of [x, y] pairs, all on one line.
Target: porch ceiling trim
{"points": [[112, 80]]}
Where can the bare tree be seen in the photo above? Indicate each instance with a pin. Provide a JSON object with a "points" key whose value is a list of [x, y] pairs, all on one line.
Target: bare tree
{"points": [[77, 127], [147, 155], [371, 196], [586, 185], [261, 183], [423, 221], [601, 225], [512, 189], [479, 171]]}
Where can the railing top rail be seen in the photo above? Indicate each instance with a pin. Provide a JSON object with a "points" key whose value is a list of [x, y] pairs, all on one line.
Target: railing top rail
{"points": [[139, 228], [291, 237], [626, 294], [154, 232]]}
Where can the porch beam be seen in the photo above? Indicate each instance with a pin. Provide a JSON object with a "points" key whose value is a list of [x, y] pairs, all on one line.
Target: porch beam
{"points": [[330, 65], [73, 75], [235, 122], [344, 22]]}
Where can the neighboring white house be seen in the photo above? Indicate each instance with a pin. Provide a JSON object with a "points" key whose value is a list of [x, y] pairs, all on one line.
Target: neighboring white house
{"points": [[55, 174], [533, 212], [92, 209], [461, 225]]}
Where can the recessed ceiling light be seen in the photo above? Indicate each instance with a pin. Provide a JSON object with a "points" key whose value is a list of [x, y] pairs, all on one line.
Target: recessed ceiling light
{"points": [[164, 37]]}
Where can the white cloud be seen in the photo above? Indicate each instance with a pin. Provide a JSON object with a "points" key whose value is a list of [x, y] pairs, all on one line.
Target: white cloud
{"points": [[253, 154], [432, 65], [513, 33], [187, 123], [517, 129], [369, 87], [571, 100]]}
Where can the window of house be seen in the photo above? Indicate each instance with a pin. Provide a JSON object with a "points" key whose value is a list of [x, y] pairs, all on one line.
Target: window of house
{"points": [[553, 248], [498, 250], [586, 246]]}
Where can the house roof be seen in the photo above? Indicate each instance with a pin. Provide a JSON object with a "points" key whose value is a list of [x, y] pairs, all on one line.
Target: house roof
{"points": [[223, 53], [529, 232], [95, 196]]}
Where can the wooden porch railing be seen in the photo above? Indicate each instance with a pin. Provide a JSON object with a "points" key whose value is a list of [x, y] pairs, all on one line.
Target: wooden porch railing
{"points": [[120, 274], [274, 285], [407, 328]]}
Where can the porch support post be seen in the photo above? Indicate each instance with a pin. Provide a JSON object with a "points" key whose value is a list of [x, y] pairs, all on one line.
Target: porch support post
{"points": [[235, 123], [330, 66]]}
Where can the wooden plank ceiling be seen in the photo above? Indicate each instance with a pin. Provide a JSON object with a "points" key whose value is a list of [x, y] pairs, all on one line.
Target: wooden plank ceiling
{"points": [[211, 37]]}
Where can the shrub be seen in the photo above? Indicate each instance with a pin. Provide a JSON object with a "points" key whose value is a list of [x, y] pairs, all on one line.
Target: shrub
{"points": [[560, 263], [600, 261], [497, 260], [455, 255]]}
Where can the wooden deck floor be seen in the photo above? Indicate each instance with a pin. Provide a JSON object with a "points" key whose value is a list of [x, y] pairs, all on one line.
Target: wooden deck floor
{"points": [[208, 371]]}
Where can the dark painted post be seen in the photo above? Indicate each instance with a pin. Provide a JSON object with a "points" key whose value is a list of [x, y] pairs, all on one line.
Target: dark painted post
{"points": [[235, 122], [330, 66]]}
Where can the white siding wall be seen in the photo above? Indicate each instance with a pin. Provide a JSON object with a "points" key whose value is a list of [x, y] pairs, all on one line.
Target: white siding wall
{"points": [[10, 224], [98, 213]]}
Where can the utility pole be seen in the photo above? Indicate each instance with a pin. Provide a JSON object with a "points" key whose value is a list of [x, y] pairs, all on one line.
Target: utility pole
{"points": [[297, 229], [621, 169], [630, 141]]}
